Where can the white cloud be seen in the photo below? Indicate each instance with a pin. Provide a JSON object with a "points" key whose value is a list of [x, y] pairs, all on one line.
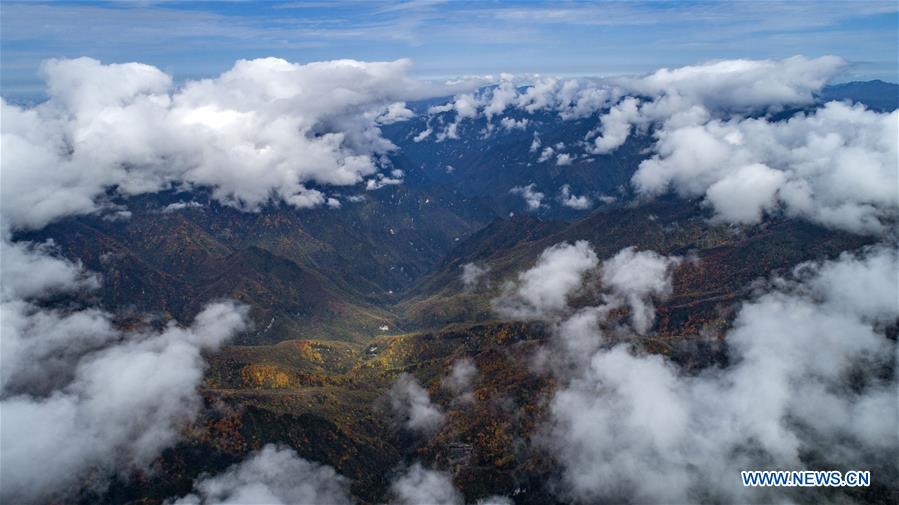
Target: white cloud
{"points": [[419, 485], [716, 87], [466, 106], [532, 197], [107, 400], [835, 166], [172, 207], [450, 132], [568, 199], [273, 476], [381, 180], [544, 289], [571, 99], [856, 283], [672, 96], [539, 96], [395, 113], [511, 124], [739, 85], [422, 135], [742, 196], [563, 159], [616, 126], [80, 396], [546, 154], [630, 278], [472, 274], [535, 143], [32, 270], [696, 93], [581, 333], [262, 129], [501, 98], [636, 276], [412, 404], [784, 398], [604, 428], [460, 379], [440, 109], [495, 500]]}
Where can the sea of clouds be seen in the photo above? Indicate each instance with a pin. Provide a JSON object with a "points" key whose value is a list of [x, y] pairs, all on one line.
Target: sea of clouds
{"points": [[811, 379]]}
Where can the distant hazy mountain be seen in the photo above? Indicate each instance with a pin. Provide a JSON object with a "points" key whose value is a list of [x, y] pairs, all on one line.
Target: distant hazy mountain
{"points": [[877, 94]]}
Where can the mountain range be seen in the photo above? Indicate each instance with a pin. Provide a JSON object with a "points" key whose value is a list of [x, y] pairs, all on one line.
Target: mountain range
{"points": [[403, 278]]}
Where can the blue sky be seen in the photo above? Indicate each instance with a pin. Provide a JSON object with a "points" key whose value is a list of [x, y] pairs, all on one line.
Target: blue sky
{"points": [[445, 39]]}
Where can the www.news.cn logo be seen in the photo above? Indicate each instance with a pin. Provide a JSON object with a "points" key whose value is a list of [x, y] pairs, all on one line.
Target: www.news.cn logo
{"points": [[805, 478]]}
